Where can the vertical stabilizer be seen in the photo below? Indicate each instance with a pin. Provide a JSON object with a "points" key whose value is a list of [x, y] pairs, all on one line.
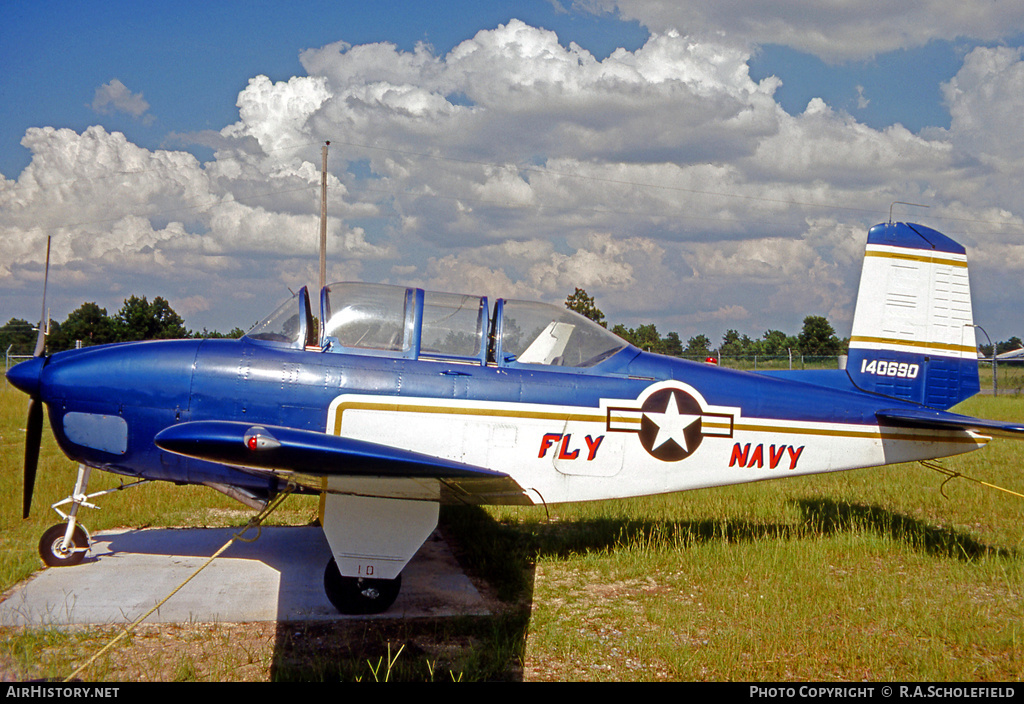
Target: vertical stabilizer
{"points": [[912, 333]]}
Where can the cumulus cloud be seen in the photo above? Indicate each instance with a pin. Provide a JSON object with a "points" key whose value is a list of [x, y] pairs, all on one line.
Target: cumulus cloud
{"points": [[856, 29], [985, 100], [115, 97], [277, 115], [665, 180], [862, 100]]}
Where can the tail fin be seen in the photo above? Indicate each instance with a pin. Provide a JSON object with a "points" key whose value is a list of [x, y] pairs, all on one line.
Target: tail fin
{"points": [[913, 334]]}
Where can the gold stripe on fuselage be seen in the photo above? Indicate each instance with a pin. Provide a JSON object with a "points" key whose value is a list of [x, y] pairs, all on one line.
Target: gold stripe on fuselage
{"points": [[770, 425]]}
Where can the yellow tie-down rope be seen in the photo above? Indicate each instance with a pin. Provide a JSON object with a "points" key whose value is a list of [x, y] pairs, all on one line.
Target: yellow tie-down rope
{"points": [[255, 522], [954, 474]]}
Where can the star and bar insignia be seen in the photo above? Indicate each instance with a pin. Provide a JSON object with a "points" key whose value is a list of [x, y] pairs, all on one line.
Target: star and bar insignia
{"points": [[671, 420]]}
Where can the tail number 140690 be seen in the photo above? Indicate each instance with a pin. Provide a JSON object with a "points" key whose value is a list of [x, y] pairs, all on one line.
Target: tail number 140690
{"points": [[880, 367]]}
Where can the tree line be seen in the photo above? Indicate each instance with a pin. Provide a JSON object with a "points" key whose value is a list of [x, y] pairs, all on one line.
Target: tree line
{"points": [[141, 319], [1014, 343], [138, 319], [817, 338]]}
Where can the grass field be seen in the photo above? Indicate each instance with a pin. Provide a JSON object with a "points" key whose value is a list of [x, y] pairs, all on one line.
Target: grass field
{"points": [[882, 575]]}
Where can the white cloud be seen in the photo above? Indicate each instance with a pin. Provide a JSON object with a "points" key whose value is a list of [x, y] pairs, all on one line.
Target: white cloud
{"points": [[115, 97], [986, 100], [664, 180], [862, 100], [835, 31], [277, 115]]}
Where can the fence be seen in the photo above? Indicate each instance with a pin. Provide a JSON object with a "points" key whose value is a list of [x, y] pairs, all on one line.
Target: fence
{"points": [[1009, 378], [762, 362], [11, 359]]}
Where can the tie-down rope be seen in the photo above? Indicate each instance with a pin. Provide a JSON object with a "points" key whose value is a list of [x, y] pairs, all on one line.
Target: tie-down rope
{"points": [[253, 523]]}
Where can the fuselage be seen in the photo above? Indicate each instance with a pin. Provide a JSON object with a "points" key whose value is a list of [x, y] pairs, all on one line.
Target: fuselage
{"points": [[565, 434]]}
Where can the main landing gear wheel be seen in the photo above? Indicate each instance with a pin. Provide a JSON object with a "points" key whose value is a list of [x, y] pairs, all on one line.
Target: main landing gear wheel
{"points": [[52, 552], [359, 595]]}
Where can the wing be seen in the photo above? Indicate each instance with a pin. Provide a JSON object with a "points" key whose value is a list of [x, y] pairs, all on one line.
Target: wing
{"points": [[941, 420], [306, 453]]}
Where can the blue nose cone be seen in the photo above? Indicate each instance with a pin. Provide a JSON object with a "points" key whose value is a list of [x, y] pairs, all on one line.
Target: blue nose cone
{"points": [[26, 376]]}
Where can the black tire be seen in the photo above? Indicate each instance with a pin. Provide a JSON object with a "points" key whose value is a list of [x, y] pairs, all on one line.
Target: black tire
{"points": [[358, 596], [49, 546]]}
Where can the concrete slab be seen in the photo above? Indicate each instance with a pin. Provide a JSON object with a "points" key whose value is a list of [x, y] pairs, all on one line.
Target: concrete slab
{"points": [[279, 577]]}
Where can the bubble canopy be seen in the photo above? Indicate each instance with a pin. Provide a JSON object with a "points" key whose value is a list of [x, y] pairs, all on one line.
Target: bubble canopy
{"points": [[404, 322]]}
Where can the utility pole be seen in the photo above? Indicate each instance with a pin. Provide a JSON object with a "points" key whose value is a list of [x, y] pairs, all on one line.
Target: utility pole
{"points": [[323, 216]]}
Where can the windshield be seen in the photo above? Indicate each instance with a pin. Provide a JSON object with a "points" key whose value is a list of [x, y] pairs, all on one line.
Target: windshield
{"points": [[540, 333], [290, 323]]}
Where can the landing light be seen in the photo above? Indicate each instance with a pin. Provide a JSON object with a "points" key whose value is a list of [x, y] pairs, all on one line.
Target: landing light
{"points": [[257, 438]]}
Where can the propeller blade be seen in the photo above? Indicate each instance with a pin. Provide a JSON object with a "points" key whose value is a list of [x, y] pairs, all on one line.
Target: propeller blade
{"points": [[33, 437], [34, 427], [43, 319]]}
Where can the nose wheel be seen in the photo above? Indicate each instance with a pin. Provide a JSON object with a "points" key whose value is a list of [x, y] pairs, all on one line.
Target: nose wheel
{"points": [[359, 595], [56, 551]]}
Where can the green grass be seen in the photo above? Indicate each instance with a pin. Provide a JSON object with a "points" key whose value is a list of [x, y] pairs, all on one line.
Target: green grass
{"points": [[1009, 380], [891, 573], [884, 574]]}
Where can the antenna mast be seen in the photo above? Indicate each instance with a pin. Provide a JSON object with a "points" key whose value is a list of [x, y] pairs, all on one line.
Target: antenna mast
{"points": [[895, 202], [323, 216]]}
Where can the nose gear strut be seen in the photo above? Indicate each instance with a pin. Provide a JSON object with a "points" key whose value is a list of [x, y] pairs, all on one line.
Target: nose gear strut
{"points": [[65, 544]]}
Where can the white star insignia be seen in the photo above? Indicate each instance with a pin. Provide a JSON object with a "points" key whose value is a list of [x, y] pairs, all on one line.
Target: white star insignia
{"points": [[671, 424]]}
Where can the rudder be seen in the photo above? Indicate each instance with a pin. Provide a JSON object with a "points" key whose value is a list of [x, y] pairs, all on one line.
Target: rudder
{"points": [[913, 335]]}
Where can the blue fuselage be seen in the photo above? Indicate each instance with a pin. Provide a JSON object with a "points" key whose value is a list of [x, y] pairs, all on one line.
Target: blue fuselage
{"points": [[152, 385]]}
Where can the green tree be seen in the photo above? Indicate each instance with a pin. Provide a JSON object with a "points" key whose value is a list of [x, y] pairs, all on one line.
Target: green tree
{"points": [[234, 333], [624, 332], [672, 345], [18, 335], [139, 319], [647, 338], [818, 338], [734, 345], [1014, 343], [56, 340], [698, 346], [88, 323], [583, 304], [774, 342]]}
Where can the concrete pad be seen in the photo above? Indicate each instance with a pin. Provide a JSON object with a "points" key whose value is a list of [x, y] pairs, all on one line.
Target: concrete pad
{"points": [[279, 577]]}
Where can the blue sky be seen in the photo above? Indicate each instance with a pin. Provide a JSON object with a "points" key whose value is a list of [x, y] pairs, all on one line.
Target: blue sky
{"points": [[190, 59], [700, 167], [898, 87]]}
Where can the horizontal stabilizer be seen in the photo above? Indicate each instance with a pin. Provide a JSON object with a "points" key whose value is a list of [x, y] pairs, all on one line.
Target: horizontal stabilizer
{"points": [[941, 420], [308, 452]]}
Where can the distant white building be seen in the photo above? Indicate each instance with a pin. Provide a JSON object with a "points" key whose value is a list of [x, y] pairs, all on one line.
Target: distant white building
{"points": [[1012, 355]]}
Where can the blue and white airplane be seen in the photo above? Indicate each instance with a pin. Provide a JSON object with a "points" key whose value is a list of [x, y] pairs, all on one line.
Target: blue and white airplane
{"points": [[409, 398]]}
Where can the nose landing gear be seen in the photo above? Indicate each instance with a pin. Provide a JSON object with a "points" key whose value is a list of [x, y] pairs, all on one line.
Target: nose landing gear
{"points": [[65, 544]]}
